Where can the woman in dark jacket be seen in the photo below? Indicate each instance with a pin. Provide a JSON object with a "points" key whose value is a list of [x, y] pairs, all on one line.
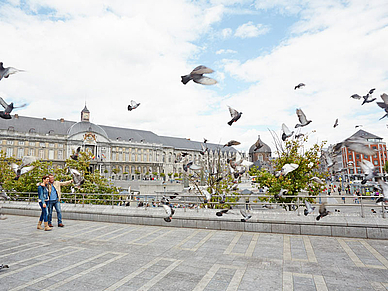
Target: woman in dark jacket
{"points": [[43, 199]]}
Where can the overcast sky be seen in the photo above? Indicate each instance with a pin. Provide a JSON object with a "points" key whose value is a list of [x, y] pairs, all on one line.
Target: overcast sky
{"points": [[106, 53]]}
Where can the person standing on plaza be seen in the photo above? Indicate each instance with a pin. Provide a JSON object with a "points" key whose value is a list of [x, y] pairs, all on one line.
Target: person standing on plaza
{"points": [[54, 190], [43, 201]]}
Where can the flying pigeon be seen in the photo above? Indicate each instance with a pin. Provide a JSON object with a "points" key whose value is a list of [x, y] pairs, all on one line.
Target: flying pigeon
{"points": [[169, 211], [355, 96], [367, 100], [281, 193], [302, 118], [4, 195], [358, 126], [6, 72], [208, 196], [384, 188], [133, 105], [317, 180], [197, 76], [7, 109], [287, 168], [309, 209], [299, 86], [78, 180], [369, 169], [222, 212], [234, 114], [336, 123], [246, 163], [204, 140], [384, 104], [231, 143], [322, 211], [299, 135], [356, 144], [76, 153], [286, 132], [3, 266], [204, 149], [258, 144], [372, 90], [245, 216], [22, 169]]}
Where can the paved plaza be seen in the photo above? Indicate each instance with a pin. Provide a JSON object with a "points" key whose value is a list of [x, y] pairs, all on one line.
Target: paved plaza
{"points": [[106, 256]]}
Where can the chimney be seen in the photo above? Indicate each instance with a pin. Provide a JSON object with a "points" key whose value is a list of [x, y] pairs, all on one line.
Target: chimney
{"points": [[44, 118], [62, 120], [16, 116]]}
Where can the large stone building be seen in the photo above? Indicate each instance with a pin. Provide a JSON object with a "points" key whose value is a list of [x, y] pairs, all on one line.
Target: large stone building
{"points": [[119, 153]]}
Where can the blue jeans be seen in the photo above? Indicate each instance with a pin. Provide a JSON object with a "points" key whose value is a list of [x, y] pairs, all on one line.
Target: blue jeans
{"points": [[57, 206], [43, 215]]}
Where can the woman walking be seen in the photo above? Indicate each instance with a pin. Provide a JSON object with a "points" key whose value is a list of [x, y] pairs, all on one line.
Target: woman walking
{"points": [[43, 199]]}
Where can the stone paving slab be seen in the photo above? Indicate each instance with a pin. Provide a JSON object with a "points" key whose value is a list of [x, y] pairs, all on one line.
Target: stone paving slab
{"points": [[86, 255]]}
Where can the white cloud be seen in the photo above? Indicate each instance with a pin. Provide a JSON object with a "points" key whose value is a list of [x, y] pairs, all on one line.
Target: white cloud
{"points": [[248, 30], [226, 32], [225, 51]]}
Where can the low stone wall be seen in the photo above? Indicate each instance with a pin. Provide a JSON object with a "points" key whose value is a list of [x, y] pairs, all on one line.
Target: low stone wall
{"points": [[287, 223]]}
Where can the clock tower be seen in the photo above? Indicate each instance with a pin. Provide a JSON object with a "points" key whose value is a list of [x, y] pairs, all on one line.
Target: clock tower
{"points": [[85, 114]]}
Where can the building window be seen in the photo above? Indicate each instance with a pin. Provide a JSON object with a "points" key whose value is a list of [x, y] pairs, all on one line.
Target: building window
{"points": [[127, 157], [42, 144], [366, 157], [51, 154], [60, 146], [31, 152], [133, 157], [120, 156], [139, 157], [20, 153], [375, 162], [41, 154], [9, 152], [51, 132], [358, 163], [145, 157], [11, 128], [60, 155], [51, 145], [10, 142], [32, 130], [32, 143], [357, 156], [350, 157], [351, 171], [21, 142]]}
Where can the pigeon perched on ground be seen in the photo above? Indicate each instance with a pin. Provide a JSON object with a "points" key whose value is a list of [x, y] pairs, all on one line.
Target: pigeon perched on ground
{"points": [[286, 132], [281, 193], [302, 118], [367, 100], [7, 109], [299, 86], [6, 72], [245, 216], [384, 188], [369, 169], [322, 211], [197, 76], [335, 123], [4, 266], [222, 212], [309, 209], [355, 96], [76, 153], [78, 180], [234, 114], [356, 144], [133, 105], [287, 168], [258, 144], [24, 167], [231, 143], [169, 211], [317, 180]]}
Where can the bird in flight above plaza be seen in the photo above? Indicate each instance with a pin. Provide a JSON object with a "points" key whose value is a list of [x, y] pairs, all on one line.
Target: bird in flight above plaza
{"points": [[286, 132], [76, 153], [231, 143], [309, 209], [299, 86], [245, 216], [234, 114], [302, 118], [287, 168], [369, 170], [78, 180], [5, 114], [322, 211], [197, 76], [367, 99], [356, 96], [335, 123], [169, 211], [258, 144], [384, 104], [25, 166], [133, 105], [356, 144], [384, 187], [371, 91], [222, 212], [317, 180], [6, 72]]}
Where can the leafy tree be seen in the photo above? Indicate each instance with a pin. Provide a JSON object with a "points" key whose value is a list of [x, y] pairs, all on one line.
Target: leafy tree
{"points": [[297, 180]]}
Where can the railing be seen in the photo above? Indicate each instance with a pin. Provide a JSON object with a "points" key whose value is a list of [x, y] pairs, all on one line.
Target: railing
{"points": [[363, 203]]}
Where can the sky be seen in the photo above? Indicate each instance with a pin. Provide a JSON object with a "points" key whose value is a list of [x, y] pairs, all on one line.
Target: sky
{"points": [[107, 53]]}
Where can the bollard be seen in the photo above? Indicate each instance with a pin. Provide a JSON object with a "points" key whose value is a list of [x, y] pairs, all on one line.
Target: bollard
{"points": [[75, 199], [362, 207], [298, 207], [383, 208]]}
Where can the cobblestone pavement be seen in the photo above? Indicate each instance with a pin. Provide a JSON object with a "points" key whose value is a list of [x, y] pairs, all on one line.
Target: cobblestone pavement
{"points": [[104, 256]]}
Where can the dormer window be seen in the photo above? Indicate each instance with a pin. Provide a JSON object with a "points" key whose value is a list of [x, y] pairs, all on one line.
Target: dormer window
{"points": [[32, 130]]}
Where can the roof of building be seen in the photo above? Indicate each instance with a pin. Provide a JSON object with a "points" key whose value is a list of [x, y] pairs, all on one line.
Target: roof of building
{"points": [[365, 134], [264, 149], [63, 127]]}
